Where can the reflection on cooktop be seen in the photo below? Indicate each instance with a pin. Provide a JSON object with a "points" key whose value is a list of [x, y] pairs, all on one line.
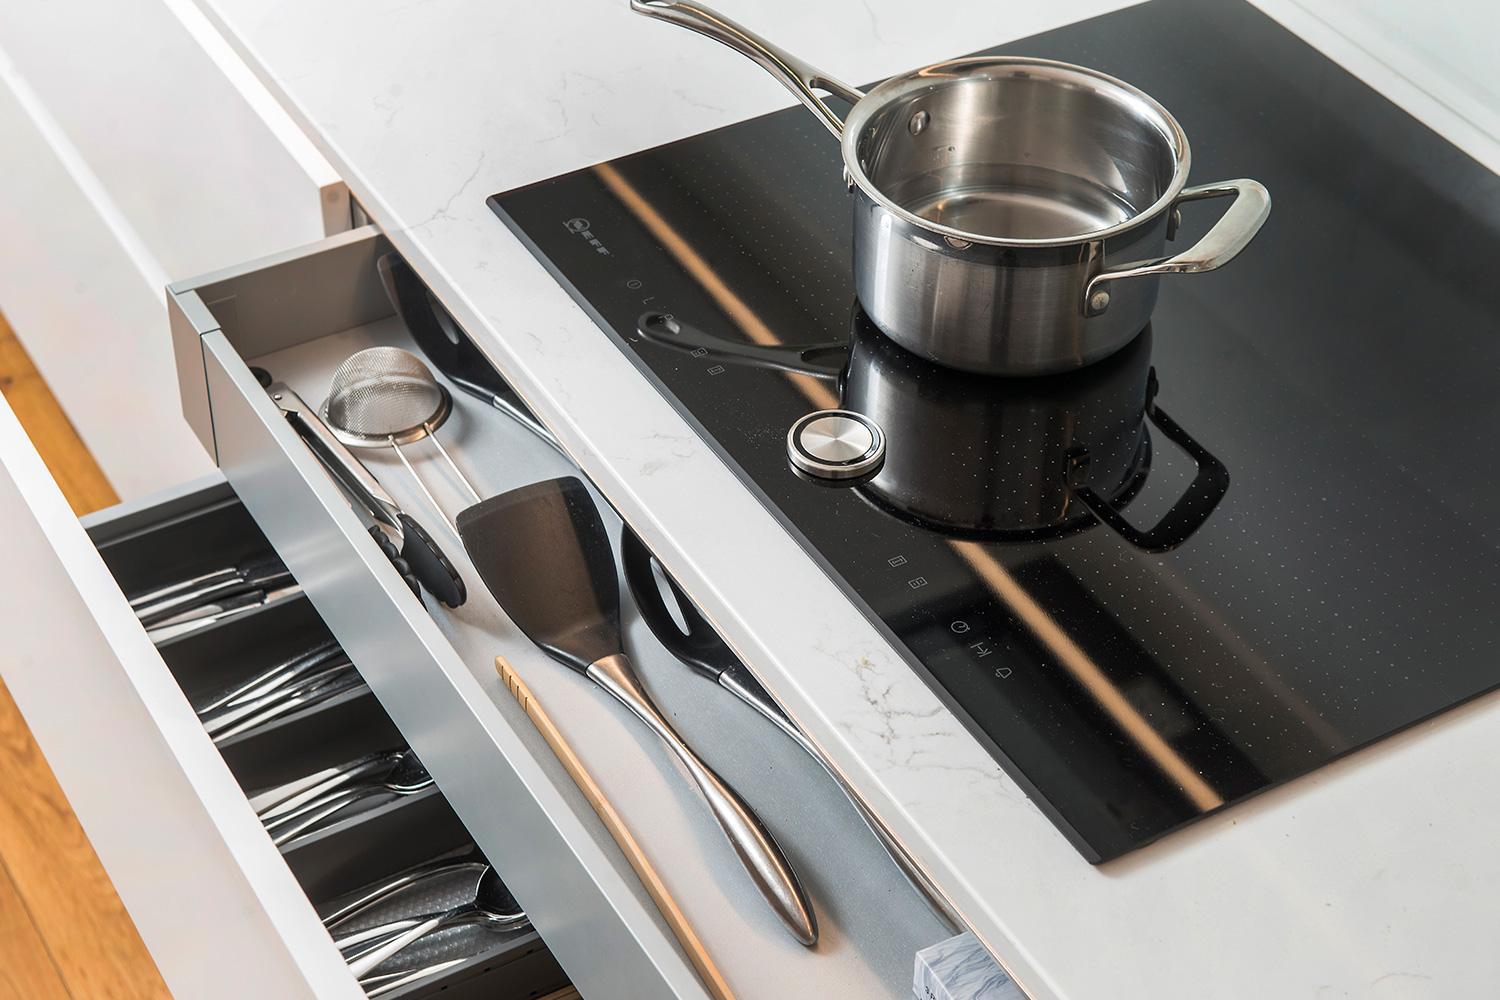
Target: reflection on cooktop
{"points": [[1137, 639], [982, 457]]}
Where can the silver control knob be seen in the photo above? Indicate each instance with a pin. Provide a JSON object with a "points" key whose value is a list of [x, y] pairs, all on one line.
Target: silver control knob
{"points": [[835, 445]]}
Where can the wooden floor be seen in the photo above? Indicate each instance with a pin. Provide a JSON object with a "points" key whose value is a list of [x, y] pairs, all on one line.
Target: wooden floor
{"points": [[64, 934]]}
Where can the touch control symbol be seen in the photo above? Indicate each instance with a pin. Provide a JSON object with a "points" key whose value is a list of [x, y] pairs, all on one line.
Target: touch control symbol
{"points": [[960, 627], [895, 561], [917, 582]]}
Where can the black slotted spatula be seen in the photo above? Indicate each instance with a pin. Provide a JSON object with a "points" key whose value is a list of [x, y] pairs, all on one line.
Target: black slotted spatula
{"points": [[544, 554]]}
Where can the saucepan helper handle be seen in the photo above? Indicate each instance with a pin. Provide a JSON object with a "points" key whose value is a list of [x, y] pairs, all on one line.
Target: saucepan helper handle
{"points": [[1186, 516], [1231, 234], [795, 75]]}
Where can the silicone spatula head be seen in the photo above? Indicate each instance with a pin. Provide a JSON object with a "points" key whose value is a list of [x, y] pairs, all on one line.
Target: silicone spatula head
{"points": [[543, 553]]}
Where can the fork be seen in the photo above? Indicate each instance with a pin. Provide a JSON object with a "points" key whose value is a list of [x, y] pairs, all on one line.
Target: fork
{"points": [[407, 777], [272, 677], [319, 687], [272, 802]]}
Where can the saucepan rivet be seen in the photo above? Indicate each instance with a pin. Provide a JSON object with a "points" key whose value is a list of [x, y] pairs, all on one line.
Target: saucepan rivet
{"points": [[957, 243], [918, 122], [1099, 301]]}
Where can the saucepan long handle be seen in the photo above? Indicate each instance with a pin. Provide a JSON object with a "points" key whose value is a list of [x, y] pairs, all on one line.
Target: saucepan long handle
{"points": [[757, 850], [794, 74], [1231, 234]]}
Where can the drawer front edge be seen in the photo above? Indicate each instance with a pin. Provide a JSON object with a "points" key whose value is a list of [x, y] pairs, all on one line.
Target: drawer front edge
{"points": [[167, 819]]}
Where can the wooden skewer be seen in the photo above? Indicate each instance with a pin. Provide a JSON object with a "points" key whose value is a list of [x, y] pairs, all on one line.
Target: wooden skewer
{"points": [[707, 970]]}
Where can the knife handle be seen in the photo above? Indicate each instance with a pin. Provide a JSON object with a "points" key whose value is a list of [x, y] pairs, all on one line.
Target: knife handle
{"points": [[752, 842], [655, 888]]}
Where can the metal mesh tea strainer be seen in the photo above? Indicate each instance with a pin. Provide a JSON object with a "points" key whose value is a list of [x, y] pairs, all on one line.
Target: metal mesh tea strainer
{"points": [[386, 396]]}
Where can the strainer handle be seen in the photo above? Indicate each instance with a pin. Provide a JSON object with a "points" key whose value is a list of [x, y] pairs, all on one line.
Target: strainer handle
{"points": [[795, 75]]}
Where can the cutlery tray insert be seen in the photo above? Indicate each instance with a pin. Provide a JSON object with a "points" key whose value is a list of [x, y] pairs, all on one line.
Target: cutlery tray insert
{"points": [[203, 530]]}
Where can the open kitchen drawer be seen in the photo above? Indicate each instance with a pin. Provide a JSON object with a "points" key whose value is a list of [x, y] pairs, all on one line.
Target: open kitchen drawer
{"points": [[224, 911], [298, 315]]}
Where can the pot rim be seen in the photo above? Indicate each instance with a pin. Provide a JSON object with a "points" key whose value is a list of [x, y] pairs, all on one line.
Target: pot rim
{"points": [[929, 77]]}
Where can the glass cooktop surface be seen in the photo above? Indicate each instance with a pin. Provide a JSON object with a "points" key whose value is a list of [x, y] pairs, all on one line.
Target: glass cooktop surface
{"points": [[1343, 370]]}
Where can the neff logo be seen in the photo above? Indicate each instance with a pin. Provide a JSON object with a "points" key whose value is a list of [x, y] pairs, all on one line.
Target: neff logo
{"points": [[581, 227]]}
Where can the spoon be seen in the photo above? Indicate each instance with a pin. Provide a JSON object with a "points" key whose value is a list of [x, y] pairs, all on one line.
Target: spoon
{"points": [[493, 906], [381, 893], [385, 932]]}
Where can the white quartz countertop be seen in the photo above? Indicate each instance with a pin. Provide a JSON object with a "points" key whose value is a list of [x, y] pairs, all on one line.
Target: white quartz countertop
{"points": [[1374, 877]]}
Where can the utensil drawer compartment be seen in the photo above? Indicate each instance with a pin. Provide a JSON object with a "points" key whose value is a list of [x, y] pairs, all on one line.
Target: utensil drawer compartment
{"points": [[224, 913], [297, 317]]}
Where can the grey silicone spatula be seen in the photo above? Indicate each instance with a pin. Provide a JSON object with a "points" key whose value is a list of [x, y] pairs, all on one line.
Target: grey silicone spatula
{"points": [[544, 554]]}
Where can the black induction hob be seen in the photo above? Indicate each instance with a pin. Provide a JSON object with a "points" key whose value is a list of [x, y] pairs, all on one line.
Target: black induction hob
{"points": [[1344, 369]]}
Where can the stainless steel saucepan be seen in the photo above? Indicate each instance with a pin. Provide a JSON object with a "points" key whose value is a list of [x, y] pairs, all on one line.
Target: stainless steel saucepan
{"points": [[1010, 215]]}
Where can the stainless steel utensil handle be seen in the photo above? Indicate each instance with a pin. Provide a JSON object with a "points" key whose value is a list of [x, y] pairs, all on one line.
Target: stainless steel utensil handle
{"points": [[752, 842], [283, 707], [276, 677], [307, 820], [394, 927], [337, 457], [325, 805], [375, 956], [379, 894], [914, 873], [294, 686], [1231, 234], [386, 930], [226, 575], [270, 804], [390, 983], [797, 76]]}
